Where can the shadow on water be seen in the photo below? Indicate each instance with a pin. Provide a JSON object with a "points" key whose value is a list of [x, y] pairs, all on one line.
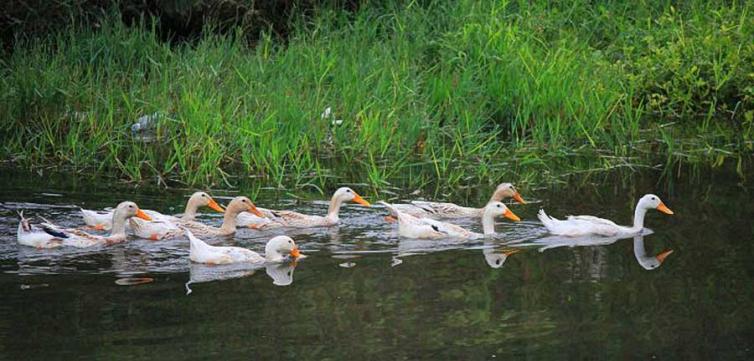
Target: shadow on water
{"points": [[365, 292]]}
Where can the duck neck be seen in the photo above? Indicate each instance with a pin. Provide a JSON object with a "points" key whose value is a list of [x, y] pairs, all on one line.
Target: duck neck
{"points": [[119, 225], [189, 214], [334, 209], [639, 214], [229, 221], [488, 224], [497, 196], [639, 251]]}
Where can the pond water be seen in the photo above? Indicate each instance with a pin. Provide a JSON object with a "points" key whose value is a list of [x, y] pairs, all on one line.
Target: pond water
{"points": [[363, 292]]}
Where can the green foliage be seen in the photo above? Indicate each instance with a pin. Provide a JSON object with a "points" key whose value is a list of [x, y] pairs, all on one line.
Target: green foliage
{"points": [[462, 92]]}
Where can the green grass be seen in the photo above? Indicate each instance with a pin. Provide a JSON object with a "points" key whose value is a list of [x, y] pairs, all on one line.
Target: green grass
{"points": [[448, 94]]}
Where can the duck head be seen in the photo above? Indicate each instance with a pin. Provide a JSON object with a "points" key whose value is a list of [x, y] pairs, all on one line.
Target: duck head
{"points": [[129, 209], [242, 204], [345, 194], [202, 199], [507, 190], [494, 209], [651, 201], [281, 247]]}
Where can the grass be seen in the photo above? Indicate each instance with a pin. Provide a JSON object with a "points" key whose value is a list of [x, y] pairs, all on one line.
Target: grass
{"points": [[452, 94]]}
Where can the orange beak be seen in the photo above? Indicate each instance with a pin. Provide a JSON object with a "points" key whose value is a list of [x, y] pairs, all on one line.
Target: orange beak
{"points": [[212, 204], [253, 209], [508, 214], [357, 198], [142, 215], [661, 257], [664, 209], [509, 252], [517, 198], [295, 253]]}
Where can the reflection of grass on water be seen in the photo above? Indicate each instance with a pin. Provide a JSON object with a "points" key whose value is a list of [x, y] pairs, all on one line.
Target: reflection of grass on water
{"points": [[458, 94]]}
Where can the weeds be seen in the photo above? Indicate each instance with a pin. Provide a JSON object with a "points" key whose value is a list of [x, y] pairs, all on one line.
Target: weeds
{"points": [[451, 94]]}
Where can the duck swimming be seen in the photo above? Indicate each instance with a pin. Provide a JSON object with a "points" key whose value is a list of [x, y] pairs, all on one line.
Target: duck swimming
{"points": [[589, 225], [103, 220], [414, 227], [297, 220], [278, 249], [77, 238], [167, 229], [425, 209]]}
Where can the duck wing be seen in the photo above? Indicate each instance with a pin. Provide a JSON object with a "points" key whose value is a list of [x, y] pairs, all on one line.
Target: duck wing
{"points": [[593, 219], [449, 210]]}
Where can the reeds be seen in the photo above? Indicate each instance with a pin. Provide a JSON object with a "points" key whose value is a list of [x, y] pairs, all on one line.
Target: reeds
{"points": [[453, 94]]}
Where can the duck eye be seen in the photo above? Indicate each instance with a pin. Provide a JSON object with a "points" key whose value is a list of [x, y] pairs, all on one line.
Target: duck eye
{"points": [[290, 242], [498, 262], [348, 190]]}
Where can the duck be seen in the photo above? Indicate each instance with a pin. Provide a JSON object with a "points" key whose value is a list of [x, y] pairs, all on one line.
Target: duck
{"points": [[414, 227], [293, 219], [575, 226], [103, 220], [648, 262], [172, 229], [78, 238], [424, 209], [32, 235], [278, 249]]}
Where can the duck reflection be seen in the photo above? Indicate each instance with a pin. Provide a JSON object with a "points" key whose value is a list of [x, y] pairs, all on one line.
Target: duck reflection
{"points": [[281, 273], [550, 242], [648, 262], [496, 257]]}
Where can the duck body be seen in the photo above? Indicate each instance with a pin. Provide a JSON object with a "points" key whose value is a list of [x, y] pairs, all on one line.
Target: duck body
{"points": [[172, 228], [436, 210], [293, 219], [80, 239], [276, 250], [103, 220], [575, 226], [32, 235], [246, 219], [410, 226]]}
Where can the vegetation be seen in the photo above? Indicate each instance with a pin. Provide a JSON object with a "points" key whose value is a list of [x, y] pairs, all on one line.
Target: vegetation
{"points": [[457, 93]]}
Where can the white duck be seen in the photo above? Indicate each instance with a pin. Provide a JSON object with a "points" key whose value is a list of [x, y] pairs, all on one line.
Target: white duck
{"points": [[278, 249], [172, 229], [651, 262], [414, 227], [35, 236], [103, 220], [81, 239], [297, 220], [423, 209], [590, 225]]}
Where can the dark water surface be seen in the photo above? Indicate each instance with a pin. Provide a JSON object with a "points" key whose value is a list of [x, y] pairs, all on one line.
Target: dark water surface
{"points": [[363, 293]]}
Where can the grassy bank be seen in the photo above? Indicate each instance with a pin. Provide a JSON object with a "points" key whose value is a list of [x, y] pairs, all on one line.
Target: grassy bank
{"points": [[456, 93]]}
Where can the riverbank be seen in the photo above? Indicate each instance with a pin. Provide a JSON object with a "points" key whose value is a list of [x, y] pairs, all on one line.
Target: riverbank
{"points": [[453, 94]]}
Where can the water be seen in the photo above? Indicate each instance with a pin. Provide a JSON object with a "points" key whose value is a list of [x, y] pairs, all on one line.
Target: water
{"points": [[364, 293]]}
